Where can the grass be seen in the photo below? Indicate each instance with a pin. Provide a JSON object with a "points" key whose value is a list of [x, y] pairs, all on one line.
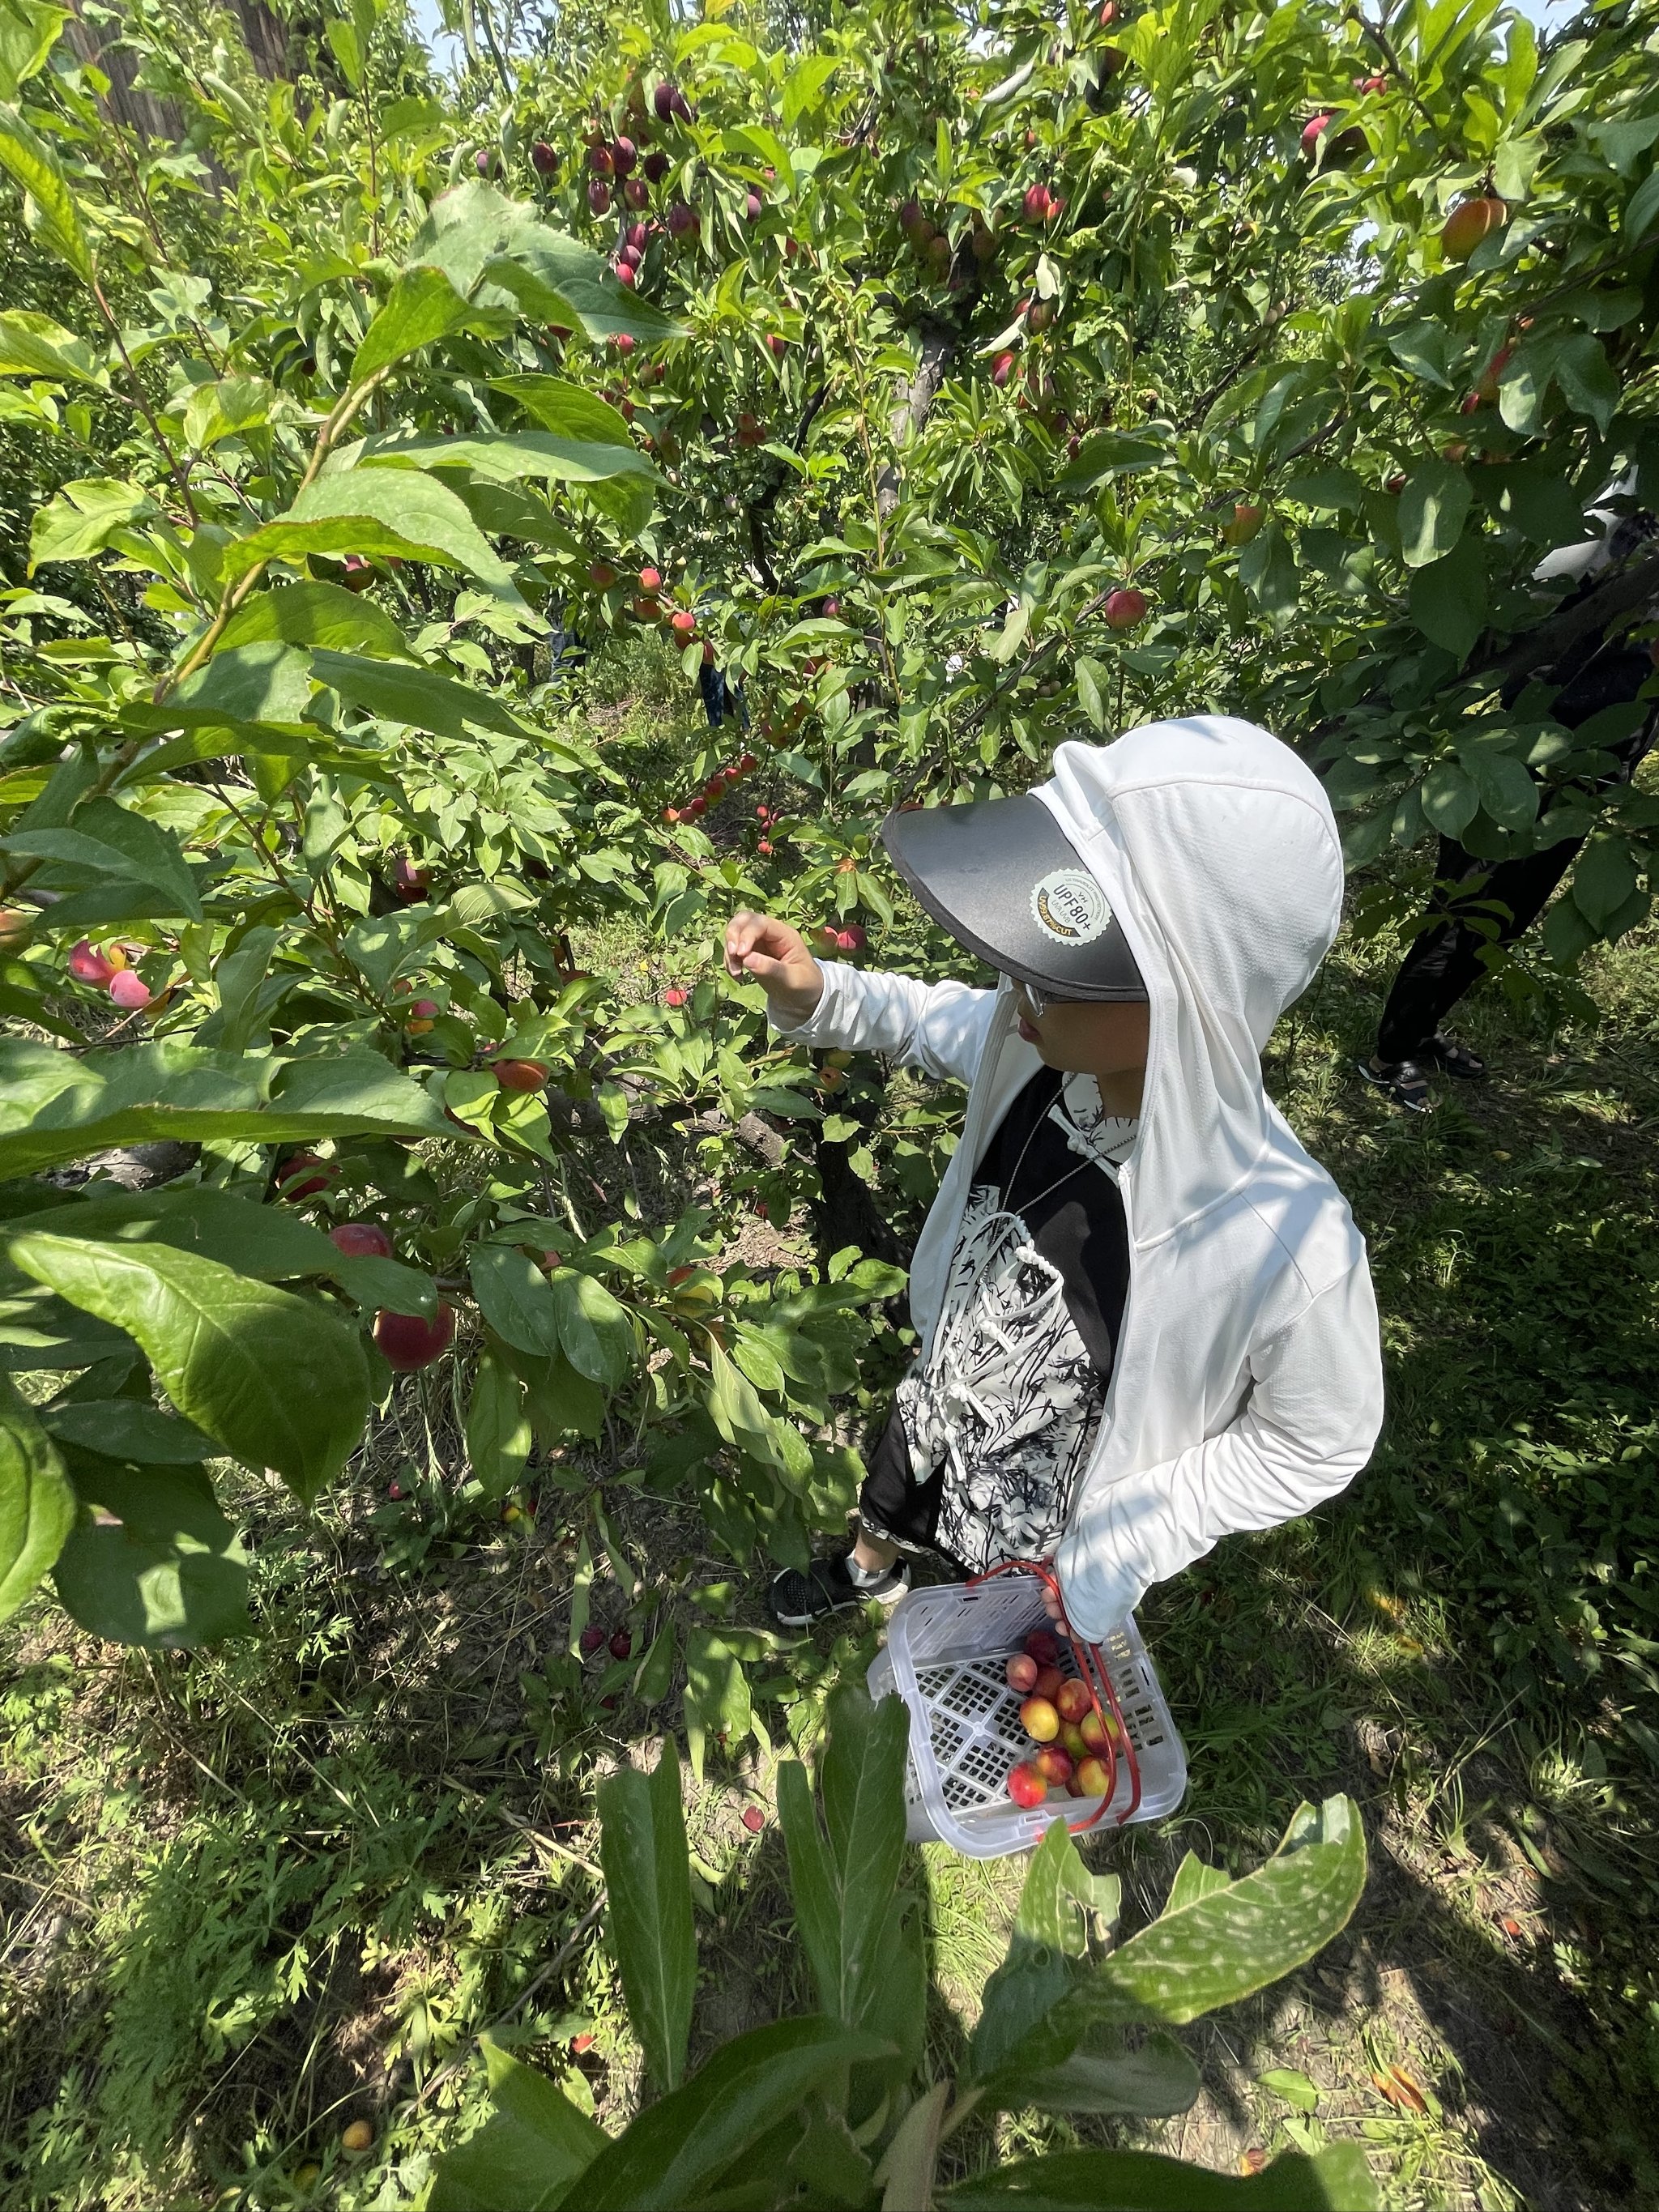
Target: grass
{"points": [[256, 1892]]}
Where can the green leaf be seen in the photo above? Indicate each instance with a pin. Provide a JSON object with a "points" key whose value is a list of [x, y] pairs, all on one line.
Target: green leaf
{"points": [[270, 1241], [267, 682], [423, 306], [511, 458], [1092, 684], [84, 517], [277, 1380], [1507, 793], [1193, 1880], [737, 1411], [1539, 502], [402, 514], [528, 2152], [227, 409], [371, 1284], [500, 254], [317, 614], [498, 1431], [1109, 454], [127, 1429], [516, 1298], [1267, 570], [40, 1333], [560, 1401], [1523, 383], [1048, 1931], [1433, 506], [28, 31], [34, 345], [56, 221], [804, 88], [37, 1505], [674, 2150], [381, 946], [1603, 879], [165, 1571], [416, 696], [1587, 380], [569, 410], [717, 1700], [58, 1106], [844, 1884], [1450, 799], [1448, 599], [106, 843], [239, 979], [648, 1876], [1151, 2079], [595, 1332], [1641, 209], [1336, 2180], [1221, 1947], [1295, 2089]]}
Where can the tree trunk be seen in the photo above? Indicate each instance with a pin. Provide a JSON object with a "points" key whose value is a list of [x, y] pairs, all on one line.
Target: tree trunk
{"points": [[915, 405]]}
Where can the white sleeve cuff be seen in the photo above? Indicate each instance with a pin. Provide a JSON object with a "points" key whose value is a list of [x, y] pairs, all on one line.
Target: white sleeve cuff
{"points": [[828, 1020]]}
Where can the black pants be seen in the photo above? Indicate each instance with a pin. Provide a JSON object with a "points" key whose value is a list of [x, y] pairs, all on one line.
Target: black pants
{"points": [[720, 698], [1507, 896], [1445, 960]]}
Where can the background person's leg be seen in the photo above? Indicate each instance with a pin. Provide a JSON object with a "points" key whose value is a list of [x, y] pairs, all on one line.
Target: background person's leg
{"points": [[1443, 962]]}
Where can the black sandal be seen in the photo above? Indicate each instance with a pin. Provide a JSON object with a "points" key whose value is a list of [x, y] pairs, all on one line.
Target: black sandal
{"points": [[1455, 1060], [1401, 1082]]}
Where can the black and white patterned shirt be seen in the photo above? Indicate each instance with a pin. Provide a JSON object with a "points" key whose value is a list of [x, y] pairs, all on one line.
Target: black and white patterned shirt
{"points": [[989, 1435]]}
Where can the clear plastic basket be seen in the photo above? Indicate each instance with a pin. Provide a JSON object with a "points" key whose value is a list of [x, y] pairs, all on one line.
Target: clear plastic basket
{"points": [[946, 1649]]}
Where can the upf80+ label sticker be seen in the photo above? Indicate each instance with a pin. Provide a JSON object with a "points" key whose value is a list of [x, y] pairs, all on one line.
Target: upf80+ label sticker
{"points": [[1070, 907]]}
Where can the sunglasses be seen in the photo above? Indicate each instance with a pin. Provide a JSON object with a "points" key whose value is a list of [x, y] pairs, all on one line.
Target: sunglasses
{"points": [[1037, 1003]]}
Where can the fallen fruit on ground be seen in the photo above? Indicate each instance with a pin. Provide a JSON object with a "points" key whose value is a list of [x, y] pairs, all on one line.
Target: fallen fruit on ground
{"points": [[355, 2137]]}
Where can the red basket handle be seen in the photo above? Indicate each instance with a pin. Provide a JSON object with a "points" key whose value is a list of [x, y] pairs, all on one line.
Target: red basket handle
{"points": [[1096, 1677]]}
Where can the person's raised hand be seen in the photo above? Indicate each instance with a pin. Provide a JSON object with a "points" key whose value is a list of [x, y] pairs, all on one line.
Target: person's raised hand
{"points": [[770, 954]]}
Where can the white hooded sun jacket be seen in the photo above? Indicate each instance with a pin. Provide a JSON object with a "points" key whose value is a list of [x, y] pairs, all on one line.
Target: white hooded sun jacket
{"points": [[1247, 1384]]}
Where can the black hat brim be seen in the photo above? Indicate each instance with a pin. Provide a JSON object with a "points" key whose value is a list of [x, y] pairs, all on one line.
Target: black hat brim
{"points": [[1007, 882]]}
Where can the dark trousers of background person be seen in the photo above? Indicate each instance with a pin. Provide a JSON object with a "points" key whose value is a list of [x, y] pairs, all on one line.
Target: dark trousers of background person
{"points": [[1445, 960], [720, 698]]}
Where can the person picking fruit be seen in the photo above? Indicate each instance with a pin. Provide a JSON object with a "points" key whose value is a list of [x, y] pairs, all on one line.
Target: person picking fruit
{"points": [[1144, 1313]]}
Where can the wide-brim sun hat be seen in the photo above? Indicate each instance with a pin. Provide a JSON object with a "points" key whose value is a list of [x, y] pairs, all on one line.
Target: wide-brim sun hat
{"points": [[1004, 879]]}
